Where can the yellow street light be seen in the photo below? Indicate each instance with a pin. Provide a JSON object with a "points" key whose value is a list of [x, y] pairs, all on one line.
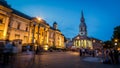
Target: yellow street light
{"points": [[116, 40]]}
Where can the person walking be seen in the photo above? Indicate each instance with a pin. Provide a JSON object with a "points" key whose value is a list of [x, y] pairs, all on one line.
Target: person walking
{"points": [[7, 52], [80, 52], [37, 50], [116, 56], [14, 55], [14, 51], [83, 51], [111, 56]]}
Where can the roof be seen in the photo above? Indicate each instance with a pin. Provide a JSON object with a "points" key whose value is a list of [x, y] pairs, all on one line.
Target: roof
{"points": [[21, 14], [81, 37], [55, 29], [4, 3], [85, 37]]}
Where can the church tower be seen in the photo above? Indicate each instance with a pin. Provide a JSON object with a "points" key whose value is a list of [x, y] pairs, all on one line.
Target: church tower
{"points": [[55, 25], [82, 27]]}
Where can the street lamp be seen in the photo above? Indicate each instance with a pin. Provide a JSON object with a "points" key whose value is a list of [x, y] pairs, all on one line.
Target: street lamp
{"points": [[116, 40]]}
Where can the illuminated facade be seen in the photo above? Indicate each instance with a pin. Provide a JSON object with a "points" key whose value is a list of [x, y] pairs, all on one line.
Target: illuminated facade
{"points": [[82, 40], [56, 38], [16, 25]]}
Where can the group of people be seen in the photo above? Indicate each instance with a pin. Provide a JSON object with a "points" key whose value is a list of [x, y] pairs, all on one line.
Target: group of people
{"points": [[88, 52], [110, 56], [9, 51]]}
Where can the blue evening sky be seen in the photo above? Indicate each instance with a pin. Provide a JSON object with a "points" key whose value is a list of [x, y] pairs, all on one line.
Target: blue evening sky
{"points": [[101, 16]]}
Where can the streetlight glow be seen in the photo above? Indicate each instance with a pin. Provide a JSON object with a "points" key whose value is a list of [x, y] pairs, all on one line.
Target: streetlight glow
{"points": [[116, 40], [39, 18]]}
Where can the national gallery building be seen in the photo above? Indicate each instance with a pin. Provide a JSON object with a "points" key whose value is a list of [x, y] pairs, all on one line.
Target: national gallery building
{"points": [[15, 25]]}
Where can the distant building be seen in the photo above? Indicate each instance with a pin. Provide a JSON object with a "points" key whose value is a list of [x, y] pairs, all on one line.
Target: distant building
{"points": [[69, 43], [82, 40], [17, 25]]}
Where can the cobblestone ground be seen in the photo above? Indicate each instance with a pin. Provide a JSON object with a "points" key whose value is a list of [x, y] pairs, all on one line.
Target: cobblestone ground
{"points": [[57, 60]]}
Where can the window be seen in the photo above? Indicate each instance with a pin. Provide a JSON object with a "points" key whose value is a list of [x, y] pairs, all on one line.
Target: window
{"points": [[18, 27], [10, 24], [26, 28], [17, 36], [1, 20]]}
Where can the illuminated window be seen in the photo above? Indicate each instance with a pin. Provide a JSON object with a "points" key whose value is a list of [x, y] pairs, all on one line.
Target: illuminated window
{"points": [[79, 42], [85, 43]]}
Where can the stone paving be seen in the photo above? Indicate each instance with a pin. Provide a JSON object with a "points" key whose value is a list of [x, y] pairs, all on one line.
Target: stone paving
{"points": [[57, 60]]}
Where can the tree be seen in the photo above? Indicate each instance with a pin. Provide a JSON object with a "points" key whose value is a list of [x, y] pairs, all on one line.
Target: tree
{"points": [[116, 35]]}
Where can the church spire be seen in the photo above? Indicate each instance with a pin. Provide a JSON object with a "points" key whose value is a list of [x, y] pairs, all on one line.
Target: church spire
{"points": [[83, 27], [82, 17]]}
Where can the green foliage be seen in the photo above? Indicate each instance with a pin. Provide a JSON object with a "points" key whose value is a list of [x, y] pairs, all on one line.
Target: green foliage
{"points": [[116, 35]]}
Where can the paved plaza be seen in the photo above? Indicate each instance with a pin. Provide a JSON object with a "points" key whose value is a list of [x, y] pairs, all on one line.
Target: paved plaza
{"points": [[57, 60]]}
